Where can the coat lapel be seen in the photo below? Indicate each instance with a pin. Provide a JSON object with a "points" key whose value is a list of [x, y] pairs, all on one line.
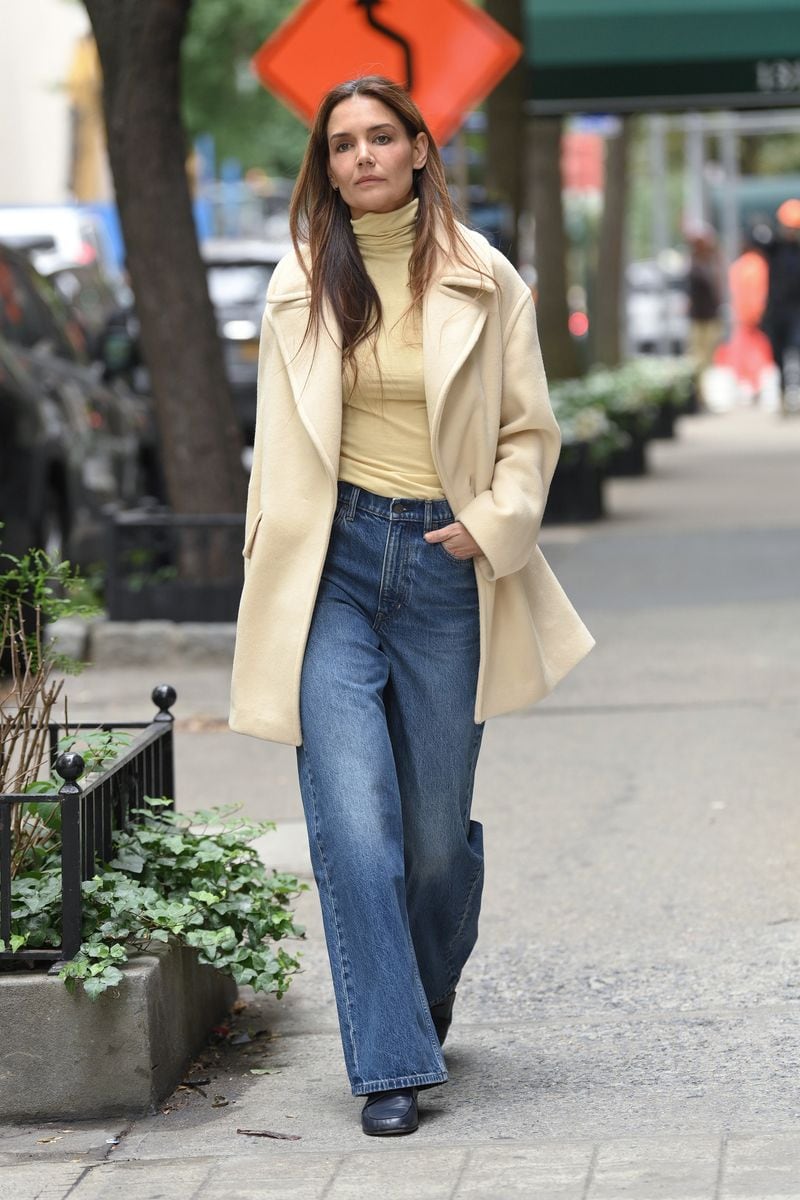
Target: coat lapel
{"points": [[453, 315], [314, 369]]}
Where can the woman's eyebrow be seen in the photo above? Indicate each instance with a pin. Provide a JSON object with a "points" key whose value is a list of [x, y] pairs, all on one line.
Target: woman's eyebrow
{"points": [[372, 129]]}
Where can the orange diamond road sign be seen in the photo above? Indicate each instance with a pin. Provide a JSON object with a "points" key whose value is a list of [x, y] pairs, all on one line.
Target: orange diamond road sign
{"points": [[448, 52]]}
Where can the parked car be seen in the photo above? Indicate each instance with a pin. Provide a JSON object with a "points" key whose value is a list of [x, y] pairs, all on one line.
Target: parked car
{"points": [[657, 307], [238, 273], [70, 245], [74, 439], [79, 237]]}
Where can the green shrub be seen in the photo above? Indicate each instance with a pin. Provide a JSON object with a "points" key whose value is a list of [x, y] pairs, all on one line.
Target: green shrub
{"points": [[195, 878], [606, 408]]}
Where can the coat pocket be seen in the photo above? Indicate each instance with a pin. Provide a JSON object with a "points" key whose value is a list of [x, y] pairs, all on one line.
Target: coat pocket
{"points": [[251, 536]]}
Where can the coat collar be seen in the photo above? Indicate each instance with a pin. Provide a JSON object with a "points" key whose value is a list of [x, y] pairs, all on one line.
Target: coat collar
{"points": [[453, 315]]}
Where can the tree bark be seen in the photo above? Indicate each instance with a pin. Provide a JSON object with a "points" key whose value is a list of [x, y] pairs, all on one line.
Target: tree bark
{"points": [[506, 144], [139, 46], [561, 357], [606, 324]]}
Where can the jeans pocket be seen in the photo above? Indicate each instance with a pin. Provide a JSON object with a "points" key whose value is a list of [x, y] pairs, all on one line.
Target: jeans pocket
{"points": [[460, 562]]}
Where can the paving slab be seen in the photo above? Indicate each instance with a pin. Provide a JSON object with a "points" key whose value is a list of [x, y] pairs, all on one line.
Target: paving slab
{"points": [[424, 1174], [171, 1177], [39, 1181], [79, 1141], [678, 1168], [767, 1167], [547, 1171]]}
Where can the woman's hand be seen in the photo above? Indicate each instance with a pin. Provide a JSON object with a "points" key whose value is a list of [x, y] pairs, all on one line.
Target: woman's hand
{"points": [[458, 541]]}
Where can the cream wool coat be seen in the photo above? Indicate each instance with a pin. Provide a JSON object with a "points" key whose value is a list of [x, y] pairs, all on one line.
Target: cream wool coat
{"points": [[495, 443]]}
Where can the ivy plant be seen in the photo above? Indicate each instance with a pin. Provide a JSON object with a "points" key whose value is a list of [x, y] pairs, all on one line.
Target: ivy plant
{"points": [[194, 878]]}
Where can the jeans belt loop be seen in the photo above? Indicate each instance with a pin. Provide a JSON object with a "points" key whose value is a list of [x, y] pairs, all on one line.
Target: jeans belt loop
{"points": [[353, 502]]}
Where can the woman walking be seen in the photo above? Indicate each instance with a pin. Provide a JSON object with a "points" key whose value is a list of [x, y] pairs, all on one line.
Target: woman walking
{"points": [[394, 596]]}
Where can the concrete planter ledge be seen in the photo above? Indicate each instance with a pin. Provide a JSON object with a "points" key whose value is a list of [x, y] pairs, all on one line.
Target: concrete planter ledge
{"points": [[67, 1057], [144, 643]]}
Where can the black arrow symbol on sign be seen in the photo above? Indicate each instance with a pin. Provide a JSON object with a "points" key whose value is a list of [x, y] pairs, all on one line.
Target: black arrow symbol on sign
{"points": [[389, 33]]}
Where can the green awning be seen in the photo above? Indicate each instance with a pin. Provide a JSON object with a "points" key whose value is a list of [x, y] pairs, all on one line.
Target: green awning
{"points": [[617, 55]]}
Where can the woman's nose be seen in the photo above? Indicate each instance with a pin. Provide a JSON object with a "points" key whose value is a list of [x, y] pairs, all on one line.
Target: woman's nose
{"points": [[365, 154]]}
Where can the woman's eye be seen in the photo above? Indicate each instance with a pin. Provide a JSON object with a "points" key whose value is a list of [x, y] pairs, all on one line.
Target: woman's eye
{"points": [[342, 146], [383, 138]]}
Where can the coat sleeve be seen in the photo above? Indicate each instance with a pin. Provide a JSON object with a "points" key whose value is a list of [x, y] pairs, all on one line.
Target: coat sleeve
{"points": [[504, 520]]}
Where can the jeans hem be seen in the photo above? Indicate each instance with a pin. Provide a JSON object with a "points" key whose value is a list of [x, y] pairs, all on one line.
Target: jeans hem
{"points": [[400, 1081]]}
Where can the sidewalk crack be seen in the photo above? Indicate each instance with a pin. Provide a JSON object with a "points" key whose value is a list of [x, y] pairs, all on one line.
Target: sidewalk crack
{"points": [[79, 1180], [723, 1147], [590, 1173], [326, 1191], [462, 1172]]}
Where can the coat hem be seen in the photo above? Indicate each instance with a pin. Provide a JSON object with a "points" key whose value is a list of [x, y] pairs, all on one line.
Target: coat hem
{"points": [[532, 695], [266, 730]]}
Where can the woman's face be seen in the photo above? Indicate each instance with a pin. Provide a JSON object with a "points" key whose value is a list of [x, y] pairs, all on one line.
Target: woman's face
{"points": [[371, 157]]}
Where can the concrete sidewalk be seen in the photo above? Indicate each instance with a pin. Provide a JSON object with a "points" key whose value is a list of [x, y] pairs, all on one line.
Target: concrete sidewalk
{"points": [[628, 1025]]}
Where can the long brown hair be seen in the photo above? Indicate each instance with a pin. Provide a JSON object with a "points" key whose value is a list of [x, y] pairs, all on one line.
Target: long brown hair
{"points": [[320, 218]]}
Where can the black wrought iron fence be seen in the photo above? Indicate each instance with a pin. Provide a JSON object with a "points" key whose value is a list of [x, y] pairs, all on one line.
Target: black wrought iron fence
{"points": [[90, 814]]}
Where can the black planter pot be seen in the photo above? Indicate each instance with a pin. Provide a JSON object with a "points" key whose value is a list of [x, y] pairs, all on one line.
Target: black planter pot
{"points": [[664, 423], [576, 493], [174, 567], [630, 459]]}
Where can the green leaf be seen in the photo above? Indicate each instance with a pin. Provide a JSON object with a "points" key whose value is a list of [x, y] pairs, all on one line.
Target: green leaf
{"points": [[95, 987], [205, 897], [174, 842], [127, 860]]}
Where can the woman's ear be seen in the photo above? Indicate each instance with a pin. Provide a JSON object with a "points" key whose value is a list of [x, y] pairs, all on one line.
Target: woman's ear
{"points": [[420, 153]]}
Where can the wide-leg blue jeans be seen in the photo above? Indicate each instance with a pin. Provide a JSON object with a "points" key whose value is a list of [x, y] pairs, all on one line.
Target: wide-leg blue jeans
{"points": [[386, 772]]}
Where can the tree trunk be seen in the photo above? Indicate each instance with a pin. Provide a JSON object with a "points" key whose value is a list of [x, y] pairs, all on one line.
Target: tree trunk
{"points": [[139, 46], [606, 315], [506, 143], [561, 357]]}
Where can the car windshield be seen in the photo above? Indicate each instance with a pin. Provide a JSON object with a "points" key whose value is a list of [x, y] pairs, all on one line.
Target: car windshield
{"points": [[238, 283]]}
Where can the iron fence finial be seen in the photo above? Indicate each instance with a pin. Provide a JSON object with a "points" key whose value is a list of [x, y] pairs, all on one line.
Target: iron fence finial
{"points": [[70, 767], [164, 696]]}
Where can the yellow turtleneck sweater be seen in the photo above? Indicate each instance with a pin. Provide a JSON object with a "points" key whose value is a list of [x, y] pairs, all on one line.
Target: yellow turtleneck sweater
{"points": [[386, 445]]}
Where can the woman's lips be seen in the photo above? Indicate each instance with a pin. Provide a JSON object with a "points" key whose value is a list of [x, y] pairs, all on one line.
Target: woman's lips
{"points": [[369, 179]]}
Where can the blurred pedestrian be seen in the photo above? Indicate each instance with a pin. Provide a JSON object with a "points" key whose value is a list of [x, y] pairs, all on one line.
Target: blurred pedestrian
{"points": [[748, 352], [394, 596], [782, 317], [705, 294]]}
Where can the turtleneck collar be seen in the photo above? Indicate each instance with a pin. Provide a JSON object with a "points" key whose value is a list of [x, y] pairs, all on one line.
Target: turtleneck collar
{"points": [[387, 231]]}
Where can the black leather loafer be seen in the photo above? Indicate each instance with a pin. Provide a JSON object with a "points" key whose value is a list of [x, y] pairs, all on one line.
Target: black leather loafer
{"points": [[387, 1113], [442, 1014]]}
